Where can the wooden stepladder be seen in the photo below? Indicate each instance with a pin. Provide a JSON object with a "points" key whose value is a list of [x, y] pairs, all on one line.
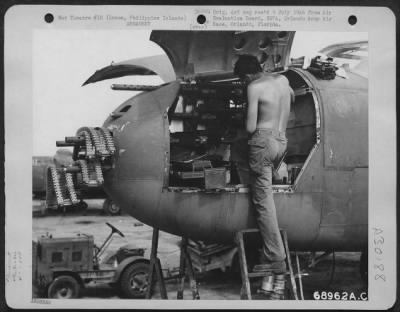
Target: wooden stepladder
{"points": [[185, 270], [245, 292]]}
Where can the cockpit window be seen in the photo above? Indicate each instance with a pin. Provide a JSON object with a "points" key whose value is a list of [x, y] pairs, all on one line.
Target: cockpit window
{"points": [[125, 109]]}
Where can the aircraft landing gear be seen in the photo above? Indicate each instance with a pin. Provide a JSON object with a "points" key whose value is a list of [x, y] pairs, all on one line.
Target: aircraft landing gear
{"points": [[111, 208]]}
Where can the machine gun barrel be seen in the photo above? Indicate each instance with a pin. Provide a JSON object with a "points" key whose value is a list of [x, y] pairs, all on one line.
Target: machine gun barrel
{"points": [[72, 169], [214, 90], [207, 89], [128, 87], [75, 140], [63, 143], [71, 141]]}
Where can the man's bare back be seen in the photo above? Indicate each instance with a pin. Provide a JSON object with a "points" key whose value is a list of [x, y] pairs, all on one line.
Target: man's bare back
{"points": [[269, 99]]}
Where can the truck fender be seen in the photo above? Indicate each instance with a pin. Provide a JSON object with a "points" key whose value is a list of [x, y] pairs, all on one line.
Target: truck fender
{"points": [[125, 263], [75, 275]]}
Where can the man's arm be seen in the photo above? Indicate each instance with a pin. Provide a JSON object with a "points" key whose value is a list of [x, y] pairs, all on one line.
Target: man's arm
{"points": [[252, 108], [292, 96], [286, 83]]}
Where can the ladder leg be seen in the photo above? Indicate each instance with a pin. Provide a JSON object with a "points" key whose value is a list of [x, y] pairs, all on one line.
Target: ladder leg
{"points": [[245, 292], [150, 287], [192, 279], [153, 255], [160, 279], [289, 262], [299, 277], [182, 274]]}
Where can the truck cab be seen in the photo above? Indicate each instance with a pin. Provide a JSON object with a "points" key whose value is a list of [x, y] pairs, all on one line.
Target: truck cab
{"points": [[63, 266]]}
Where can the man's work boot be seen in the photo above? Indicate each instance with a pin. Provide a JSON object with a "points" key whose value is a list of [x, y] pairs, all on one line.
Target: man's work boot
{"points": [[275, 267]]}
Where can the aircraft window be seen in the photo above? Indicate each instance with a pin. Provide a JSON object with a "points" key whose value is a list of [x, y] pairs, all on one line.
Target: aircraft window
{"points": [[57, 256], [240, 43], [125, 109]]}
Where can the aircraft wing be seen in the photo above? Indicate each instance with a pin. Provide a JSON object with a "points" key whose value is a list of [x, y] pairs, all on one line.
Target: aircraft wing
{"points": [[150, 65]]}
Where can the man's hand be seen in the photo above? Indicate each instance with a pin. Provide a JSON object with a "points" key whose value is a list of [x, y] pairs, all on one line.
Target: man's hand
{"points": [[292, 96]]}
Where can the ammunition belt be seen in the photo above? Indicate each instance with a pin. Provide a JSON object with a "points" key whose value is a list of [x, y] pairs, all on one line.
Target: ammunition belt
{"points": [[85, 170], [55, 185], [71, 189], [90, 151], [99, 172], [108, 139], [98, 141], [96, 149], [93, 168]]}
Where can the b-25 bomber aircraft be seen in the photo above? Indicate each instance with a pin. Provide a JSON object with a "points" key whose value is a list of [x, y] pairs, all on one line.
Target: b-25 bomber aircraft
{"points": [[163, 155]]}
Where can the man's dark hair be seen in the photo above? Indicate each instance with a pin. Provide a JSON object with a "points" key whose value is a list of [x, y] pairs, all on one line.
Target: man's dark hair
{"points": [[247, 64]]}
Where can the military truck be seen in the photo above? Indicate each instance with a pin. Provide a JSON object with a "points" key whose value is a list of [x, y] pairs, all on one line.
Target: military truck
{"points": [[63, 266]]}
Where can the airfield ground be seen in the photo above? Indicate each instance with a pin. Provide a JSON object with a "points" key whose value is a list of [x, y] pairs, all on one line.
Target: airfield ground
{"points": [[212, 285]]}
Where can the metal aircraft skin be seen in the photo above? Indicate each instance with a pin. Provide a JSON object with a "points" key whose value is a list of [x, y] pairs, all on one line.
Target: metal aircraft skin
{"points": [[324, 208]]}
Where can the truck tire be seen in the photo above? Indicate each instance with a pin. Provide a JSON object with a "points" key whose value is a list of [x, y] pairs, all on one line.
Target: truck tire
{"points": [[111, 208], [135, 280], [64, 287]]}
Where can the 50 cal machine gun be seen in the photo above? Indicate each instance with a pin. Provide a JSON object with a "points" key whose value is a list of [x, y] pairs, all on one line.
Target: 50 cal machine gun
{"points": [[223, 90]]}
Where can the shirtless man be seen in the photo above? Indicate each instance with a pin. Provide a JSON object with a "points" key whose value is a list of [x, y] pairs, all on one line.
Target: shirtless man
{"points": [[269, 97]]}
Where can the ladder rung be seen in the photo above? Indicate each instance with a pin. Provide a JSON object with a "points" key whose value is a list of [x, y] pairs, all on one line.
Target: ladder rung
{"points": [[262, 274], [258, 274]]}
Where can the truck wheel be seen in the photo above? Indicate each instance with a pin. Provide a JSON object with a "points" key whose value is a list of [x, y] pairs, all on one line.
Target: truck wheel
{"points": [[111, 208], [135, 280], [64, 287]]}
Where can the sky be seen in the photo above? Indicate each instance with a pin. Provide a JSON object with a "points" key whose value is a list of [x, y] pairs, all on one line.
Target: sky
{"points": [[64, 59]]}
